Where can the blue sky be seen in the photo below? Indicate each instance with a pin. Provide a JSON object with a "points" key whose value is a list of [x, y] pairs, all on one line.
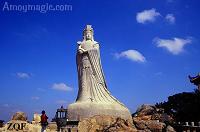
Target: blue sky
{"points": [[148, 48]]}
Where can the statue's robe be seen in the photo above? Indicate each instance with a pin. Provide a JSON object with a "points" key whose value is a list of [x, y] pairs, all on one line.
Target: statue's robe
{"points": [[92, 84], [93, 95]]}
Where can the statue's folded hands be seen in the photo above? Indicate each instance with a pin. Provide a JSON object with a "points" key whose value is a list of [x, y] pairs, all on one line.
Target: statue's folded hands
{"points": [[81, 50]]}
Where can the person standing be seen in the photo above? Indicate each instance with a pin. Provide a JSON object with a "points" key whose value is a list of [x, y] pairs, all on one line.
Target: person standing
{"points": [[44, 121]]}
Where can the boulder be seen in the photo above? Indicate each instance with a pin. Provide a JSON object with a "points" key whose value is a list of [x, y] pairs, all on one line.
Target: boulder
{"points": [[162, 117], [149, 118], [140, 124], [52, 126], [105, 123], [154, 125], [170, 129], [36, 118], [19, 116], [146, 130], [145, 110]]}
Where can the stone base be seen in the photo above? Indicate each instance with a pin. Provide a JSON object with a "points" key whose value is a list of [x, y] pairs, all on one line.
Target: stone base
{"points": [[80, 110]]}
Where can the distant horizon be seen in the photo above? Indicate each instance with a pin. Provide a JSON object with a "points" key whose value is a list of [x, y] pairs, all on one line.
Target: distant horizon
{"points": [[147, 49]]}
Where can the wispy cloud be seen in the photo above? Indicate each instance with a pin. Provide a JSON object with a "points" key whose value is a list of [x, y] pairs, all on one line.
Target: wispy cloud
{"points": [[23, 75], [158, 73], [174, 46], [37, 33], [170, 18], [61, 102], [61, 87], [35, 98], [132, 55], [6, 105], [147, 16], [41, 89]]}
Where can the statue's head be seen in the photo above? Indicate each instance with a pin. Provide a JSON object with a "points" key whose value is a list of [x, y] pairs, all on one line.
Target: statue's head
{"points": [[88, 33]]}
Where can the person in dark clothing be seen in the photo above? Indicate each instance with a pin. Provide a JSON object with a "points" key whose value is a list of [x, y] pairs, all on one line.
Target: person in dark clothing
{"points": [[44, 121]]}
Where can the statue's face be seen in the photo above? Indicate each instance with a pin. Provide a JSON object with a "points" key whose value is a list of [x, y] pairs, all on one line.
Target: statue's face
{"points": [[88, 36]]}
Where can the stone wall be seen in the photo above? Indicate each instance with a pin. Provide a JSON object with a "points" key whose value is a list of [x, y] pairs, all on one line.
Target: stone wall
{"points": [[187, 127]]}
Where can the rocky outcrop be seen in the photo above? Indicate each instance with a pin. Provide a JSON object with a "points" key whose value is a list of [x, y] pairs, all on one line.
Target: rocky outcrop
{"points": [[19, 123], [142, 123], [170, 129], [105, 123], [147, 125], [145, 110], [19, 116], [149, 118], [36, 118]]}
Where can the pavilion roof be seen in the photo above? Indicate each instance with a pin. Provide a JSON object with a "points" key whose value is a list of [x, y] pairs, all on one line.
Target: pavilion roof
{"points": [[195, 80]]}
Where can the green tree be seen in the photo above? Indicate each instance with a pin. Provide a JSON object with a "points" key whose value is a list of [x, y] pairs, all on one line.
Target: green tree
{"points": [[183, 106]]}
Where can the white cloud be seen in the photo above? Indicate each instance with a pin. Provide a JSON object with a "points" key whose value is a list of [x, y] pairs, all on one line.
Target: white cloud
{"points": [[133, 55], [61, 87], [147, 16], [175, 45], [23, 75], [6, 105], [170, 18], [61, 102], [35, 98]]}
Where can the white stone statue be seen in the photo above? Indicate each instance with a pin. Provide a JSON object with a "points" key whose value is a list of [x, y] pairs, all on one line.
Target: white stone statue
{"points": [[93, 95]]}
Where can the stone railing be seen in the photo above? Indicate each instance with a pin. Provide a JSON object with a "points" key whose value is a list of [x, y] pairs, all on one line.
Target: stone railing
{"points": [[71, 126], [187, 127]]}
